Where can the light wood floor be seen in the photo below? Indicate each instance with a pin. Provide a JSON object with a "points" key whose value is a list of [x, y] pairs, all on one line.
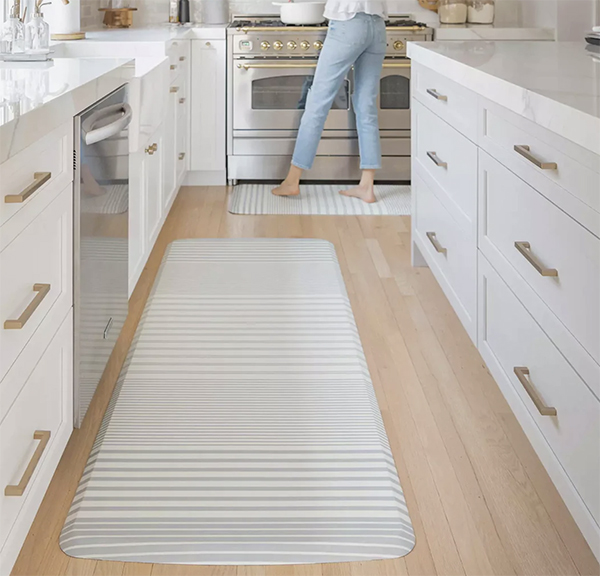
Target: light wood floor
{"points": [[480, 500]]}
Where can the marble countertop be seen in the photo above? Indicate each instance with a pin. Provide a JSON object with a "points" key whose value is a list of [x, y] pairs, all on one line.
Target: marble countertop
{"points": [[555, 84], [37, 97]]}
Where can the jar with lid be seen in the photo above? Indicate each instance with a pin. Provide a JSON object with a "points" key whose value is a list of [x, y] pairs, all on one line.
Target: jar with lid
{"points": [[480, 11], [452, 11], [12, 34], [37, 31]]}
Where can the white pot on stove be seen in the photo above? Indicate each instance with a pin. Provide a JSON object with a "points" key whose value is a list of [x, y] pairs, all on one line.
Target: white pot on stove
{"points": [[301, 12]]}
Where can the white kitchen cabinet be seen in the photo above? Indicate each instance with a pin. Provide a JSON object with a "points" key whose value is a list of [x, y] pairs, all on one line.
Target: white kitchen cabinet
{"points": [[170, 163], [208, 106]]}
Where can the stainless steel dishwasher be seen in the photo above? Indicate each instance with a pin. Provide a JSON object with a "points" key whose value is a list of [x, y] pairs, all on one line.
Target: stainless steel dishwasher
{"points": [[100, 224]]}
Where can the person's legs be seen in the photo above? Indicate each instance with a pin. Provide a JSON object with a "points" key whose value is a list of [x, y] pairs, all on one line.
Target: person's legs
{"points": [[344, 43], [367, 73]]}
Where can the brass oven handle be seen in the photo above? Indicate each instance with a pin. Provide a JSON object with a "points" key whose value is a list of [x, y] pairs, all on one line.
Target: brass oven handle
{"points": [[248, 66], [436, 160], [524, 151], [436, 244], [18, 489], [522, 372], [433, 92], [42, 291], [277, 29], [396, 65], [525, 249], [39, 178]]}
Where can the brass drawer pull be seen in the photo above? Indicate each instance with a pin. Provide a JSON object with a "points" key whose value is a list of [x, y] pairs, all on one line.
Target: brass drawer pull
{"points": [[434, 158], [39, 178], [522, 373], [525, 249], [433, 92], [182, 155], [17, 490], [436, 244], [174, 89], [523, 150], [173, 67], [181, 58], [182, 100], [42, 291]]}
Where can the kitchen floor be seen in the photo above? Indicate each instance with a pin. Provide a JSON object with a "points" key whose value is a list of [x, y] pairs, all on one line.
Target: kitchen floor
{"points": [[479, 498]]}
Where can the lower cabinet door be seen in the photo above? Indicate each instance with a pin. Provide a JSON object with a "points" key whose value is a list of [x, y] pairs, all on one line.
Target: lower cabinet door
{"points": [[33, 435], [153, 186]]}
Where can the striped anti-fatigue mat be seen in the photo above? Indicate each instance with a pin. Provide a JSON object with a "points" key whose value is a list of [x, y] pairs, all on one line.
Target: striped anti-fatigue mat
{"points": [[244, 427]]}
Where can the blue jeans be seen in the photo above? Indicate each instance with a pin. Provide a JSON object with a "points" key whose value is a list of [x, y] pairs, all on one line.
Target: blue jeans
{"points": [[360, 42]]}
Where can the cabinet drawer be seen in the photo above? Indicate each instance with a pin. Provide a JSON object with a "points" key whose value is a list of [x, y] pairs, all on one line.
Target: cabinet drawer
{"points": [[450, 252], [450, 159], [40, 256], [33, 178], [45, 405], [511, 337], [542, 158], [454, 103], [556, 256]]}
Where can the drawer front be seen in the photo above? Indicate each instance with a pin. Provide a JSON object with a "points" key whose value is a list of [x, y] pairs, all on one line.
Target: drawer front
{"points": [[30, 180], [45, 405], [556, 256], [450, 252], [178, 52], [514, 339], [541, 157], [450, 159], [36, 277], [454, 103]]}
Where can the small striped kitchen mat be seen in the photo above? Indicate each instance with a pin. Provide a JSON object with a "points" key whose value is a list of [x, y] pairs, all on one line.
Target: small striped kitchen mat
{"points": [[113, 200], [244, 427], [319, 199]]}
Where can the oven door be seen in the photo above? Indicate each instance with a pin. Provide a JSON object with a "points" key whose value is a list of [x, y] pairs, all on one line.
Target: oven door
{"points": [[271, 94], [394, 95]]}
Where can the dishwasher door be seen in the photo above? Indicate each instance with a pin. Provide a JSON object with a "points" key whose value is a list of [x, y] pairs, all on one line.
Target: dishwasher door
{"points": [[101, 223]]}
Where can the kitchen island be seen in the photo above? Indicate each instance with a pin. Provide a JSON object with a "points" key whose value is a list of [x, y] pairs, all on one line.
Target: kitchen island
{"points": [[506, 213]]}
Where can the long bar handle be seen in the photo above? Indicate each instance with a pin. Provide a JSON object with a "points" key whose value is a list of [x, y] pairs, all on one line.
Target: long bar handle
{"points": [[39, 179], [436, 160], [42, 291], [525, 249], [19, 489], [436, 243], [524, 151], [433, 92], [522, 372], [396, 65], [248, 66]]}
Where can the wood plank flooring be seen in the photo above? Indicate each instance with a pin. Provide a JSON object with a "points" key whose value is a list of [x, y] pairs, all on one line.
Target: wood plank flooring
{"points": [[479, 498]]}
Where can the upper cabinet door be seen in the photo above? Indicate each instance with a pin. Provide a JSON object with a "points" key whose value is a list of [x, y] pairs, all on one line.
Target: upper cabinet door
{"points": [[208, 99]]}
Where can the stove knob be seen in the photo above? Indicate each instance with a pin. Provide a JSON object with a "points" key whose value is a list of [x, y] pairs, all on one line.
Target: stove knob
{"points": [[264, 45], [318, 45], [291, 45], [304, 45], [398, 45], [277, 45]]}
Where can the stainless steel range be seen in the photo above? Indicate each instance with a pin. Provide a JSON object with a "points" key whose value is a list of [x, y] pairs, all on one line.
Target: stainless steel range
{"points": [[270, 71]]}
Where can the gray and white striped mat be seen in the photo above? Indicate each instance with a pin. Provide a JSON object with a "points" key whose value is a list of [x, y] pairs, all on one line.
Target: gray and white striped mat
{"points": [[114, 200], [319, 199], [244, 427]]}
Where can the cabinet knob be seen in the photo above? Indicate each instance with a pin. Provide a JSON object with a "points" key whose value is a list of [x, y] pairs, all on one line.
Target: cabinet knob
{"points": [[181, 58], [174, 89], [208, 44], [182, 155], [173, 66], [182, 100]]}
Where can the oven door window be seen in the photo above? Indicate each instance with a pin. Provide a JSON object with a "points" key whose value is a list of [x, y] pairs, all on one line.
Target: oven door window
{"points": [[394, 92], [290, 93]]}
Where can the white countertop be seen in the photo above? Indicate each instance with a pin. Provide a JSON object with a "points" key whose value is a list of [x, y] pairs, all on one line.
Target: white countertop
{"points": [[37, 97], [490, 32], [555, 84]]}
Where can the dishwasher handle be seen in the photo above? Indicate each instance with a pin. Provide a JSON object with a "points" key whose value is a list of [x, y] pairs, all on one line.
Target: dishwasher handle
{"points": [[93, 135]]}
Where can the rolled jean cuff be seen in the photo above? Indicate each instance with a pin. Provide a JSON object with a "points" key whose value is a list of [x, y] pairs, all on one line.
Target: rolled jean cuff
{"points": [[301, 166], [378, 167]]}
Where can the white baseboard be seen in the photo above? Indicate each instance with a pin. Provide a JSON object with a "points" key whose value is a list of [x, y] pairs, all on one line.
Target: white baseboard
{"points": [[205, 178]]}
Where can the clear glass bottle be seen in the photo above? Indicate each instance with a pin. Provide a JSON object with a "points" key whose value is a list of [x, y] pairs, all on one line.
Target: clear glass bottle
{"points": [[37, 32], [12, 36], [452, 11]]}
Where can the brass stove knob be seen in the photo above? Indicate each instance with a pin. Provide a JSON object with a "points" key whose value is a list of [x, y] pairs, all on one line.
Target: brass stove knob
{"points": [[277, 45], [291, 45], [318, 45], [398, 45], [265, 45], [304, 45]]}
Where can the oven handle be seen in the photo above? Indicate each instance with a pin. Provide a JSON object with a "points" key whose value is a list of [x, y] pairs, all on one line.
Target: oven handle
{"points": [[248, 66], [396, 64]]}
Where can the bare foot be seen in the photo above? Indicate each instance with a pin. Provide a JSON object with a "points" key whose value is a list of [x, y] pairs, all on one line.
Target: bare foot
{"points": [[365, 193], [286, 189]]}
